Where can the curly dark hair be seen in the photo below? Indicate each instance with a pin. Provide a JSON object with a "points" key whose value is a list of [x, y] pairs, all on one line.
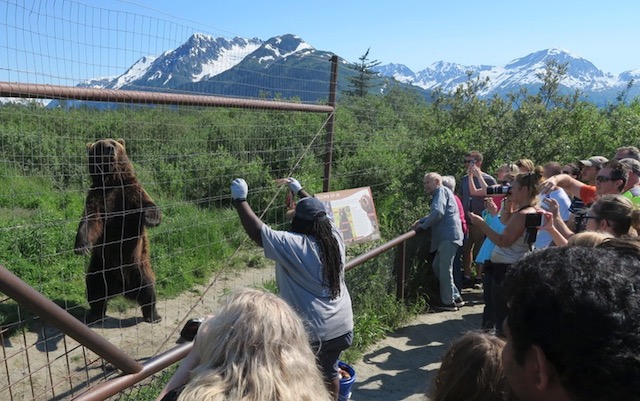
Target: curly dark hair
{"points": [[581, 306], [330, 254]]}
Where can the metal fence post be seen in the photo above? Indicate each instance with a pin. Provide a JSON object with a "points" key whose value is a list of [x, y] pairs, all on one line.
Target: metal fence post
{"points": [[328, 155]]}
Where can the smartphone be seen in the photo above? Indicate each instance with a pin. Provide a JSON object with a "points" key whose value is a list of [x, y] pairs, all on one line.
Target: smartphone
{"points": [[533, 220]]}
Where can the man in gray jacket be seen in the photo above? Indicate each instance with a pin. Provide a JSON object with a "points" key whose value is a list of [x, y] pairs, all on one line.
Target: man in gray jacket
{"points": [[446, 237]]}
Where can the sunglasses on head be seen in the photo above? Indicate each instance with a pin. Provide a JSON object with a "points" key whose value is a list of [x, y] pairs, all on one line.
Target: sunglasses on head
{"points": [[603, 178]]}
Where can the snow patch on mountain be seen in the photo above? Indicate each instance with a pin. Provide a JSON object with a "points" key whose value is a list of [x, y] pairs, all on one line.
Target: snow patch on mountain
{"points": [[136, 71], [227, 59]]}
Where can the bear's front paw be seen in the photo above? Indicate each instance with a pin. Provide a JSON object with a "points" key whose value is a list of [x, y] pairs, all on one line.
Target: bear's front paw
{"points": [[152, 217]]}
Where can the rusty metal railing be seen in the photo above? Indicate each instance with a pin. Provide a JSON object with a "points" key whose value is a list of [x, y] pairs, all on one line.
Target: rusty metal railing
{"points": [[59, 92]]}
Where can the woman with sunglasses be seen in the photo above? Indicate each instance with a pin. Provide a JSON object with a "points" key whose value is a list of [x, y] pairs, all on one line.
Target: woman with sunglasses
{"points": [[613, 214]]}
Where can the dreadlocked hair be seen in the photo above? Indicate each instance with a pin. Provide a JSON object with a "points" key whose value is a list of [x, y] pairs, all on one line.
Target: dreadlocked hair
{"points": [[330, 255]]}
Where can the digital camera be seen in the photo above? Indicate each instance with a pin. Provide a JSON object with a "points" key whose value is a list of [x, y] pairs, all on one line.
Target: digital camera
{"points": [[532, 220], [499, 190], [190, 329]]}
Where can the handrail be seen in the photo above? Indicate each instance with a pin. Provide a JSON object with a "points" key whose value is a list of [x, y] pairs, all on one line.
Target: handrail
{"points": [[31, 299], [358, 260], [38, 91], [153, 365]]}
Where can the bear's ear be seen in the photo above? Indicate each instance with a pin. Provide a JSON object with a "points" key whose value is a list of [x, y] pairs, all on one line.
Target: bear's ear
{"points": [[120, 141], [90, 145]]}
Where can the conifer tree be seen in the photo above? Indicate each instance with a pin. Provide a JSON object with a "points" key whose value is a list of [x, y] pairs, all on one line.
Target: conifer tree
{"points": [[361, 83]]}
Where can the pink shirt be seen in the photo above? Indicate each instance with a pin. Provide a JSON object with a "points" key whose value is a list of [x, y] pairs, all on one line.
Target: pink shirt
{"points": [[465, 229]]}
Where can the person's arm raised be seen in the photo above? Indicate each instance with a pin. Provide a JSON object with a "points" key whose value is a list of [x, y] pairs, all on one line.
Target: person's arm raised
{"points": [[250, 221], [564, 181], [474, 171], [512, 231]]}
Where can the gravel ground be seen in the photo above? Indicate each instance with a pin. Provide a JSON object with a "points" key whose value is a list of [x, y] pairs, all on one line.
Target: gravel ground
{"points": [[401, 366]]}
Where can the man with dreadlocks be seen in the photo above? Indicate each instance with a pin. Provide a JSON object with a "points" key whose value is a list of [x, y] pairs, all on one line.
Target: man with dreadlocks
{"points": [[310, 262]]}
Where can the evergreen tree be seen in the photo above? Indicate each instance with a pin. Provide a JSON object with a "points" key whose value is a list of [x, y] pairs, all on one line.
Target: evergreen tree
{"points": [[360, 83]]}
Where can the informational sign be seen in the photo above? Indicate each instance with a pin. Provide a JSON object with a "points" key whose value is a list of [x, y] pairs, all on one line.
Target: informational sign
{"points": [[354, 213]]}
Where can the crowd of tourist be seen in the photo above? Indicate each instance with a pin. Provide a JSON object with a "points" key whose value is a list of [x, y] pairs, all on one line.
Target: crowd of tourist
{"points": [[557, 251]]}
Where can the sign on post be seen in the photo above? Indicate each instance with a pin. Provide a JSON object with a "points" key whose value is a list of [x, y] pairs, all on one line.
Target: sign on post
{"points": [[354, 213]]}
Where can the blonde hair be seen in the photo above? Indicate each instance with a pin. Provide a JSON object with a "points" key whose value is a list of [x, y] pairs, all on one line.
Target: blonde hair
{"points": [[527, 164], [589, 239], [511, 167], [472, 370], [254, 349]]}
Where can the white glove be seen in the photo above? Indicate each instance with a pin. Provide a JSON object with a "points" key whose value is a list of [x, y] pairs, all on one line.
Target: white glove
{"points": [[239, 189], [294, 185]]}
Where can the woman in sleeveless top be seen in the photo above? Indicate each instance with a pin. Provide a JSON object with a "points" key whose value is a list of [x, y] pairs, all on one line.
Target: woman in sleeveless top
{"points": [[512, 244]]}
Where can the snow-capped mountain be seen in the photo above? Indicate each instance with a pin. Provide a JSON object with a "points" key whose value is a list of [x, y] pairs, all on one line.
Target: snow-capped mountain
{"points": [[199, 58], [228, 67], [581, 74]]}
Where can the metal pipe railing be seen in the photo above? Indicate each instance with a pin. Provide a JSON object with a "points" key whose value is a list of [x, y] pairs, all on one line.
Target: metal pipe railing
{"points": [[153, 365], [59, 92], [358, 260], [31, 299]]}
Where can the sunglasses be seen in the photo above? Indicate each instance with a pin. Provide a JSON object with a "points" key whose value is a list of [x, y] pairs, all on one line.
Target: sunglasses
{"points": [[568, 172], [603, 178], [469, 161]]}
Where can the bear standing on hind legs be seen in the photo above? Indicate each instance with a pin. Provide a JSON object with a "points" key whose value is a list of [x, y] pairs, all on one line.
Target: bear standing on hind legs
{"points": [[113, 230]]}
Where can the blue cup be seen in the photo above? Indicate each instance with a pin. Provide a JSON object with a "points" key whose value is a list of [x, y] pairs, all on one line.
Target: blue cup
{"points": [[345, 384]]}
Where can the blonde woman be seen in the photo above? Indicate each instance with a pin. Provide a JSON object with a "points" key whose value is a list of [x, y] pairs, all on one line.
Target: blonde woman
{"points": [[254, 349], [511, 244], [589, 239]]}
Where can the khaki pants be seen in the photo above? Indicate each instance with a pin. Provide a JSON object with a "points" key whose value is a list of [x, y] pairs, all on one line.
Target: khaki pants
{"points": [[470, 248]]}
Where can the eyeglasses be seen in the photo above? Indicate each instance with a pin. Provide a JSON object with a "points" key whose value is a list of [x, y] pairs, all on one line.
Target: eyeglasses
{"points": [[469, 161], [603, 178]]}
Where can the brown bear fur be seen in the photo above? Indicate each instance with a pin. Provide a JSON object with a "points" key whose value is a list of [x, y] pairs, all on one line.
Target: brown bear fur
{"points": [[113, 230]]}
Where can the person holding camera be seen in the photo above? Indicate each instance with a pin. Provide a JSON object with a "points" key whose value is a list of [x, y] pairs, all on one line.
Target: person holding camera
{"points": [[513, 243], [472, 241], [310, 260]]}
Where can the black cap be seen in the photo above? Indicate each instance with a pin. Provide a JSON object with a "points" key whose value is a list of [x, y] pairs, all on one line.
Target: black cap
{"points": [[310, 209]]}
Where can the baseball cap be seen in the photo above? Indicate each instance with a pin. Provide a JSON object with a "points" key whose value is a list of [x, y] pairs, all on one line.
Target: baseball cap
{"points": [[310, 209], [633, 164], [594, 161]]}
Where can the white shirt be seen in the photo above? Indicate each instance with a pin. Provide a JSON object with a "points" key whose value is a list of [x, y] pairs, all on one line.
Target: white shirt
{"points": [[543, 239]]}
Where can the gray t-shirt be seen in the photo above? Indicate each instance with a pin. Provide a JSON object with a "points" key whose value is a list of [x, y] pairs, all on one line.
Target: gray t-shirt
{"points": [[299, 279]]}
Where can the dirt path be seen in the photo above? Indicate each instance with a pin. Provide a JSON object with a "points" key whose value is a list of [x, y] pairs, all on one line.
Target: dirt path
{"points": [[401, 366]]}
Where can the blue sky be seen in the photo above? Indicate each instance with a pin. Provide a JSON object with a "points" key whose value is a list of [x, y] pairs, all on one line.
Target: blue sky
{"points": [[418, 33]]}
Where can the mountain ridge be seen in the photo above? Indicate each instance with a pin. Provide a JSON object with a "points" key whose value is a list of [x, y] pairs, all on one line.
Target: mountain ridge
{"points": [[216, 65]]}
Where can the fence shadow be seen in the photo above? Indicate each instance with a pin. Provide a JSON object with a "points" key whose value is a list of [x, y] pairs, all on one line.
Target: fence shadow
{"points": [[405, 367]]}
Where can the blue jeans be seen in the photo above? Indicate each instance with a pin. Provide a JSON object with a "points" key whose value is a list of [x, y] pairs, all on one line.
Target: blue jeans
{"points": [[443, 270]]}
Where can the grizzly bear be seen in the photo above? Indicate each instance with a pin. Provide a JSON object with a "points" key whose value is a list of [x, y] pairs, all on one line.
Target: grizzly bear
{"points": [[113, 230]]}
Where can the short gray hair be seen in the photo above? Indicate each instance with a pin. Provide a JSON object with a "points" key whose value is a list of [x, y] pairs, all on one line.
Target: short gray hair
{"points": [[449, 181]]}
